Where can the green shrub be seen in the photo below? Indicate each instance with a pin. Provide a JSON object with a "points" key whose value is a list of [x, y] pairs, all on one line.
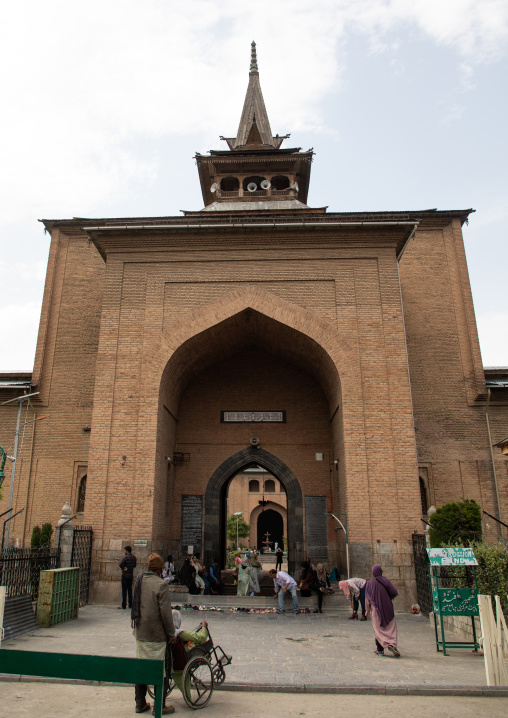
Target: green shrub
{"points": [[35, 541], [459, 523], [493, 571], [41, 536], [46, 534]]}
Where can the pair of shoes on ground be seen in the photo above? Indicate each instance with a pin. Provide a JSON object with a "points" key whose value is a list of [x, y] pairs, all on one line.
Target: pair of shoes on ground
{"points": [[392, 649], [166, 710]]}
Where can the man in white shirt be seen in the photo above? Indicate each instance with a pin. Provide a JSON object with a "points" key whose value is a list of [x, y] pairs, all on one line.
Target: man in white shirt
{"points": [[283, 583]]}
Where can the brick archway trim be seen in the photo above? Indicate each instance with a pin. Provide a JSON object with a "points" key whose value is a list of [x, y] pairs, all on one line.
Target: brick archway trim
{"points": [[214, 501]]}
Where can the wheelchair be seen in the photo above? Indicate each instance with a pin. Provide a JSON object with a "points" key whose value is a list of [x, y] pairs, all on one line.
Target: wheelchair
{"points": [[204, 669]]}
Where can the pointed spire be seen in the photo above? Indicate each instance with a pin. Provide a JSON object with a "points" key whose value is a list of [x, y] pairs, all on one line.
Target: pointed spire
{"points": [[254, 128], [253, 58]]}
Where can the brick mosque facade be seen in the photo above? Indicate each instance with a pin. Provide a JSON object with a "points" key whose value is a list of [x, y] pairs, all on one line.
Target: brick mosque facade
{"points": [[336, 351]]}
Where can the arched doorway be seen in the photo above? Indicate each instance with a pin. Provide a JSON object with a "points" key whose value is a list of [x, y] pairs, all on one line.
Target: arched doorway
{"points": [[247, 362], [215, 503], [270, 525]]}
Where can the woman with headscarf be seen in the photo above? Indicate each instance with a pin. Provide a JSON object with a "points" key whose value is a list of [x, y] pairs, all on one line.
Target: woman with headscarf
{"points": [[380, 593], [200, 574], [321, 585], [307, 579], [255, 565], [168, 572], [354, 589], [244, 572], [187, 577]]}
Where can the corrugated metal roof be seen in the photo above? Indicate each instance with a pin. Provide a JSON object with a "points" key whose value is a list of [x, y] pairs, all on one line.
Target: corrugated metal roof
{"points": [[13, 384], [497, 383]]}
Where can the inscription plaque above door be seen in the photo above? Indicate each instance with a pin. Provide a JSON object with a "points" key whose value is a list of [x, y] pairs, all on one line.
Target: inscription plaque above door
{"points": [[253, 417]]}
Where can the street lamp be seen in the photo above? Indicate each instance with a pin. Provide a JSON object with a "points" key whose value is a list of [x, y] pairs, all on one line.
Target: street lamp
{"points": [[237, 514], [344, 528]]}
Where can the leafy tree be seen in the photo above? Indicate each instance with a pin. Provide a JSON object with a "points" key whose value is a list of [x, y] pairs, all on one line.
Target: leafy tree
{"points": [[459, 522], [243, 528]]}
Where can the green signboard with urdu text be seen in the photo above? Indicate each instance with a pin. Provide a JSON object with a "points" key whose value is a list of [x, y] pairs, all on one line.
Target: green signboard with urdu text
{"points": [[455, 601]]}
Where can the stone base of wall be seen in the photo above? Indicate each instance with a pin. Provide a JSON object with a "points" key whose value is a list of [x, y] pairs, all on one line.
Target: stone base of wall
{"points": [[396, 560], [106, 592]]}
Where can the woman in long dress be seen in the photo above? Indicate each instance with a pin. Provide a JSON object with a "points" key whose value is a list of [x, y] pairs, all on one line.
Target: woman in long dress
{"points": [[200, 578], [244, 571], [379, 594], [255, 565], [321, 586]]}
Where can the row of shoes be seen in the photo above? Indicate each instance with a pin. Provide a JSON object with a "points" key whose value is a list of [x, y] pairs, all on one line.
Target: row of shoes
{"points": [[238, 609], [198, 608]]}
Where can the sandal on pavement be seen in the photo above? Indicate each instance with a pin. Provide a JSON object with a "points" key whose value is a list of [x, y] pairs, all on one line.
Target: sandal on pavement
{"points": [[143, 709], [394, 651], [379, 653]]}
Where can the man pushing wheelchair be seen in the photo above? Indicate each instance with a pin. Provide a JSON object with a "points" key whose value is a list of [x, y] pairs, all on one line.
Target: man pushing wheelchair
{"points": [[191, 661]]}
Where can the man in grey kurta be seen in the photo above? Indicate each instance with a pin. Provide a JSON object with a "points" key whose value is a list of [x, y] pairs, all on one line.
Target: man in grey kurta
{"points": [[153, 622]]}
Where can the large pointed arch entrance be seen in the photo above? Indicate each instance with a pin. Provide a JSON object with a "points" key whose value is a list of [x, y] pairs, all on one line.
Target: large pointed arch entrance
{"points": [[269, 356], [215, 500]]}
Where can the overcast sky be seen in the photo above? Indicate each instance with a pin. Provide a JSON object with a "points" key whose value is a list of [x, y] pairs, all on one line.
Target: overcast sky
{"points": [[105, 103]]}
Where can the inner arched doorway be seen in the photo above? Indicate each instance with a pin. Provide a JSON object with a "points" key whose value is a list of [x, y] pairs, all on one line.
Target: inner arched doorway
{"points": [[215, 502], [270, 525]]}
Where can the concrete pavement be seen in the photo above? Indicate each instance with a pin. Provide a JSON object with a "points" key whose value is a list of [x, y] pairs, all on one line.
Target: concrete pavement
{"points": [[287, 652], [26, 700]]}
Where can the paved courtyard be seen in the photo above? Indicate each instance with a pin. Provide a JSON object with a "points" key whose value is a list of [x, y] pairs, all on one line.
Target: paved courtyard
{"points": [[307, 651]]}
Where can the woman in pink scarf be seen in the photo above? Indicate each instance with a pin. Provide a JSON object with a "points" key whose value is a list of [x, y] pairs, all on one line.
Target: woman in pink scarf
{"points": [[354, 589], [379, 594]]}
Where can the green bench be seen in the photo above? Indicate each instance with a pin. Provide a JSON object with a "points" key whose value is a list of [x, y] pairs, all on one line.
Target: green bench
{"points": [[86, 668]]}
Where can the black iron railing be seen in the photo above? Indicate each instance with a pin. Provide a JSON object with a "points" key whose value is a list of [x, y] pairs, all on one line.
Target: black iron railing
{"points": [[423, 589], [82, 557], [20, 569]]}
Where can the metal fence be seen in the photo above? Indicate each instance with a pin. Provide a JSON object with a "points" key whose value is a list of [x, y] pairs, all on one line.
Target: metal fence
{"points": [[423, 590], [82, 557], [20, 569]]}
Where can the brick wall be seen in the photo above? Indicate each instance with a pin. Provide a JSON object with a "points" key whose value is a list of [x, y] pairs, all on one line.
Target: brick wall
{"points": [[150, 345]]}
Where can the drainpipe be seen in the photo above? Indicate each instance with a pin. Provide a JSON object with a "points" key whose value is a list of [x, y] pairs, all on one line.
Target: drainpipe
{"points": [[499, 529]]}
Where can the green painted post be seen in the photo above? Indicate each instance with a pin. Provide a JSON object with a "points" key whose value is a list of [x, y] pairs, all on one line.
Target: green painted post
{"points": [[158, 701]]}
